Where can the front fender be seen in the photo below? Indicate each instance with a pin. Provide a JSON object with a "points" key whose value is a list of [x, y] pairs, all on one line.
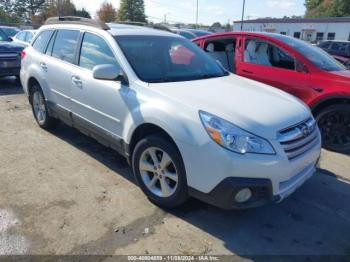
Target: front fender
{"points": [[178, 125]]}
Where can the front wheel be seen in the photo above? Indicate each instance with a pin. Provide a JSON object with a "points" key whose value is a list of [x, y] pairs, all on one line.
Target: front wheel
{"points": [[160, 172], [334, 123]]}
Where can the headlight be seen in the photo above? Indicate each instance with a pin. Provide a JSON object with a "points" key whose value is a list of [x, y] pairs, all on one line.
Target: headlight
{"points": [[234, 138]]}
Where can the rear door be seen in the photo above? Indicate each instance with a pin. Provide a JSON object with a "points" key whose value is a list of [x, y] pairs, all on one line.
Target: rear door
{"points": [[269, 63], [59, 67], [98, 105]]}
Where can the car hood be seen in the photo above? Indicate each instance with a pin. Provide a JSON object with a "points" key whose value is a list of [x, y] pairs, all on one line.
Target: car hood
{"points": [[6, 47], [255, 107]]}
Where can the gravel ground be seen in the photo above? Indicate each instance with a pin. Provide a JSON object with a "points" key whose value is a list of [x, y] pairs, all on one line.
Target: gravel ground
{"points": [[63, 193]]}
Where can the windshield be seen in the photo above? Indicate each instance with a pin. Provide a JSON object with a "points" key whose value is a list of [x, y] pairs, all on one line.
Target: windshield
{"points": [[168, 59], [314, 54], [10, 31]]}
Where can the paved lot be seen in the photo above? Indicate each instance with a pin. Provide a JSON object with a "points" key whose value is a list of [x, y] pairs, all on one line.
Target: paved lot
{"points": [[63, 193]]}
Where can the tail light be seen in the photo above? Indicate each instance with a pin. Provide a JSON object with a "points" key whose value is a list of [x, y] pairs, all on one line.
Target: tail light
{"points": [[23, 54]]}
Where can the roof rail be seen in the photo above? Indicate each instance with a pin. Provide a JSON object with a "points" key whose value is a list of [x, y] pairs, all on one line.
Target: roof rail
{"points": [[154, 26], [77, 21]]}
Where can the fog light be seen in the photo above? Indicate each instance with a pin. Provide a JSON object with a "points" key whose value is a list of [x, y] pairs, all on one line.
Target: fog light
{"points": [[243, 195]]}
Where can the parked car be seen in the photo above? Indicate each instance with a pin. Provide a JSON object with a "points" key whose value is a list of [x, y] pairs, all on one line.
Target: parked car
{"points": [[336, 48], [24, 37], [10, 31], [187, 128], [185, 33], [199, 33], [10, 62], [296, 67]]}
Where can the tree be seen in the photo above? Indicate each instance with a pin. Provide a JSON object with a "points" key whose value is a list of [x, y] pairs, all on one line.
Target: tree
{"points": [[82, 13], [7, 18], [55, 8], [217, 25], [107, 13], [327, 8], [132, 10], [22, 9]]}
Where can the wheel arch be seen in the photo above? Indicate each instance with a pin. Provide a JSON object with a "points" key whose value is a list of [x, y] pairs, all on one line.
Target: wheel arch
{"points": [[32, 81], [146, 129], [329, 101]]}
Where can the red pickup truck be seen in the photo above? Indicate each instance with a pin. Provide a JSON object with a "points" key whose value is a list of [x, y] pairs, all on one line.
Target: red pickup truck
{"points": [[294, 66]]}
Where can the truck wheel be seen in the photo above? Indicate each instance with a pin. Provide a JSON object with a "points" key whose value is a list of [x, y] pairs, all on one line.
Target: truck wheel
{"points": [[40, 109], [160, 172], [334, 123]]}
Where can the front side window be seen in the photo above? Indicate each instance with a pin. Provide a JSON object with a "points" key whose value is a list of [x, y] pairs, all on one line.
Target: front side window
{"points": [[65, 45], [261, 52], [41, 41], [29, 37], [315, 55], [168, 59], [95, 51]]}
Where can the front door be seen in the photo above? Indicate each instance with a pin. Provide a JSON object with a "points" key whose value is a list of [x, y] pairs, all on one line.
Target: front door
{"points": [[97, 105], [265, 62]]}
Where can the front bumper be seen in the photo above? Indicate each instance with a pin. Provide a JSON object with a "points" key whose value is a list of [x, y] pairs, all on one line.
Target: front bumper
{"points": [[223, 195], [215, 175]]}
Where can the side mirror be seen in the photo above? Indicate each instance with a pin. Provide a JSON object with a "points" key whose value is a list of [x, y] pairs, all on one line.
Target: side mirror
{"points": [[109, 72], [9, 39]]}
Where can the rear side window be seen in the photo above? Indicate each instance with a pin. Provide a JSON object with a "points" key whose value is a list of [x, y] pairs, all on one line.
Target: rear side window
{"points": [[65, 45], [41, 41], [21, 36], [325, 45], [95, 51]]}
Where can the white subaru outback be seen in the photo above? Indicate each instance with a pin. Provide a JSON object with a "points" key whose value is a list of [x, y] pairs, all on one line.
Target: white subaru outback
{"points": [[186, 126]]}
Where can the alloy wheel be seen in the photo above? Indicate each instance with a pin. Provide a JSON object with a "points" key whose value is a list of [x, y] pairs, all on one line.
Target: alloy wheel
{"points": [[158, 172], [335, 129], [39, 107]]}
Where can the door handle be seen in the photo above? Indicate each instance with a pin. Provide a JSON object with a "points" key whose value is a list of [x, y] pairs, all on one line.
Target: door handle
{"points": [[246, 71], [43, 66], [77, 81]]}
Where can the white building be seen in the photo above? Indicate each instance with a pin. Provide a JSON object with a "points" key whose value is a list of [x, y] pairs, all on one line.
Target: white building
{"points": [[308, 29]]}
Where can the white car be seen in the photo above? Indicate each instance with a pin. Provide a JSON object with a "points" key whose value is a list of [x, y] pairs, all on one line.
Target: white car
{"points": [[186, 126], [24, 37]]}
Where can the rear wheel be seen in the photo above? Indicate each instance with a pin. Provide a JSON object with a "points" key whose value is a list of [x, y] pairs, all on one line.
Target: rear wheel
{"points": [[160, 172], [334, 123], [40, 109]]}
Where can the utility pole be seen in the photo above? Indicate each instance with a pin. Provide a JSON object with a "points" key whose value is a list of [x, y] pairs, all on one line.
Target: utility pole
{"points": [[242, 21], [197, 15]]}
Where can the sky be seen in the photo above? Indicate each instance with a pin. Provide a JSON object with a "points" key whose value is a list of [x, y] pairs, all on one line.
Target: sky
{"points": [[210, 11]]}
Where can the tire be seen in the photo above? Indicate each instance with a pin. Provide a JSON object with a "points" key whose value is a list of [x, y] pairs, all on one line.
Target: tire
{"points": [[38, 103], [334, 123], [176, 192]]}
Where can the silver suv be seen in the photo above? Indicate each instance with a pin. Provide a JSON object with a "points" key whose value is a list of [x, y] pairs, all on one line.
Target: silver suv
{"points": [[186, 126]]}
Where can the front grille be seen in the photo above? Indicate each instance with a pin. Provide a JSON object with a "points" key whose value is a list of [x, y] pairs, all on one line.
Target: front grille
{"points": [[299, 139]]}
